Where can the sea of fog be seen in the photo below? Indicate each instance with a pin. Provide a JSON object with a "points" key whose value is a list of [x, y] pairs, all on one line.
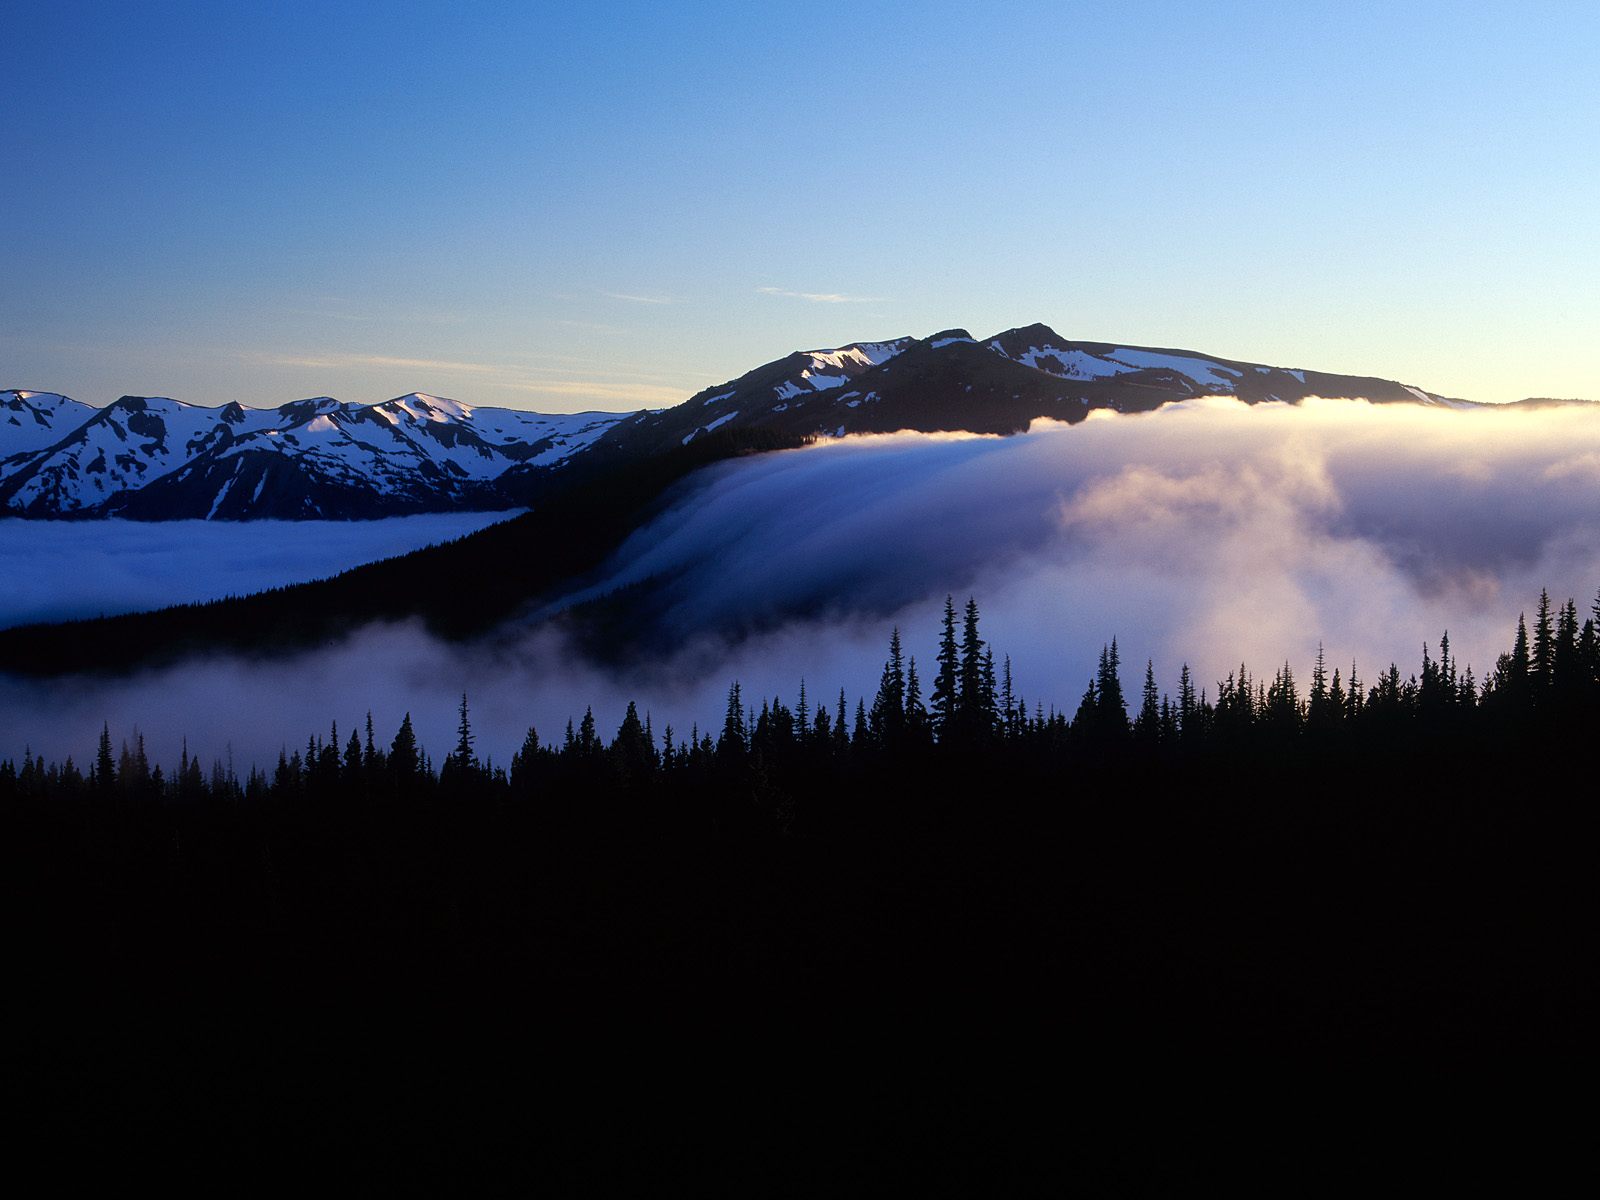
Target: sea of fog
{"points": [[1209, 533], [60, 570]]}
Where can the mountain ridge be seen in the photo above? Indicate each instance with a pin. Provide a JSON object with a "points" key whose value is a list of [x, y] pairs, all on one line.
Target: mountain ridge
{"points": [[155, 458]]}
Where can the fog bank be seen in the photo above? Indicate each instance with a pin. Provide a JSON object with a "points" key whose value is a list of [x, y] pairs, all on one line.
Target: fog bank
{"points": [[1208, 533], [63, 570]]}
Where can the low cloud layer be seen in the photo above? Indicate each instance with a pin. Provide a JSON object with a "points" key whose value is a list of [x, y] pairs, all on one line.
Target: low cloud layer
{"points": [[60, 570], [1208, 532]]}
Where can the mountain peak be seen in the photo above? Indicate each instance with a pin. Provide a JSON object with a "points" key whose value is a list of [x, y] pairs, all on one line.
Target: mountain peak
{"points": [[423, 407], [1037, 334]]}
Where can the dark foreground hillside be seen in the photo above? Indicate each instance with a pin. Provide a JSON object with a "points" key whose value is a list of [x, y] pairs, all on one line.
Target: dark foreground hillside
{"points": [[656, 970], [922, 917]]}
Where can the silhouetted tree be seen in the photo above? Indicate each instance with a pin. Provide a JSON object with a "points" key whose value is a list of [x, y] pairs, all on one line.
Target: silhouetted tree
{"points": [[946, 680], [888, 716]]}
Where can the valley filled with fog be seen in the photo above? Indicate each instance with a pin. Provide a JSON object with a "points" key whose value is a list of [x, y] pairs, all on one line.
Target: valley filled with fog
{"points": [[65, 570], [1209, 532]]}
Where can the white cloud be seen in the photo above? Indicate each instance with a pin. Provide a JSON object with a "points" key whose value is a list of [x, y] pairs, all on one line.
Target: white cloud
{"points": [[820, 297]]}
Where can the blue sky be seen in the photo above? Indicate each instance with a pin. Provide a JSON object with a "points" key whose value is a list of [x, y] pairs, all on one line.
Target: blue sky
{"points": [[537, 206]]}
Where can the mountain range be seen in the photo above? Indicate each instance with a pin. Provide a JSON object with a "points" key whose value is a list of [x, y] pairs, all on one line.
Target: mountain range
{"points": [[153, 458]]}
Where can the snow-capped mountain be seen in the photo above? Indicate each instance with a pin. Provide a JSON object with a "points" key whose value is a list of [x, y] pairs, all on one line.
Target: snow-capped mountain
{"points": [[154, 459], [953, 381], [34, 420]]}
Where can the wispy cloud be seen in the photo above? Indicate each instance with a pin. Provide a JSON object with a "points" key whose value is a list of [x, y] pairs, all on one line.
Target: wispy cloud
{"points": [[634, 298], [333, 361], [648, 395], [820, 297]]}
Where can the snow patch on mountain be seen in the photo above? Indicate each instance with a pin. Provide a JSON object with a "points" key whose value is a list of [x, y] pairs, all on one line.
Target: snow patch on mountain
{"points": [[1202, 370], [860, 355], [1068, 364]]}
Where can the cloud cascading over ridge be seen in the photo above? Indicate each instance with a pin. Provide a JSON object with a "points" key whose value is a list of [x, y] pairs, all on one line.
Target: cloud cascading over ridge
{"points": [[1333, 519], [1207, 533]]}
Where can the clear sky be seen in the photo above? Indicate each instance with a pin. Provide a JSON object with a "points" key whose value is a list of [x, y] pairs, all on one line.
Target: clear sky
{"points": [[565, 206]]}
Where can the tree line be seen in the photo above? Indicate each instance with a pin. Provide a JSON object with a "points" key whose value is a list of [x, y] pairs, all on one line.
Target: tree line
{"points": [[1549, 680], [1247, 858]]}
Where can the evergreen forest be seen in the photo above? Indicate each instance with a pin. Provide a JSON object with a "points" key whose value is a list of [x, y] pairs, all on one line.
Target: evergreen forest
{"points": [[1253, 862]]}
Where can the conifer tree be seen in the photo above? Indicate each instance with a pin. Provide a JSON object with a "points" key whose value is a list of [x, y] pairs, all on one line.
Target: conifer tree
{"points": [[1317, 716], [888, 716], [1169, 721], [946, 680], [464, 739], [1111, 707], [969, 697], [191, 784], [371, 760], [1513, 673], [1564, 653], [1147, 725], [1008, 699], [1588, 664], [1541, 668], [1186, 701], [1282, 703], [403, 758], [988, 697], [919, 730], [630, 749], [1087, 718], [352, 773], [105, 767], [732, 743]]}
